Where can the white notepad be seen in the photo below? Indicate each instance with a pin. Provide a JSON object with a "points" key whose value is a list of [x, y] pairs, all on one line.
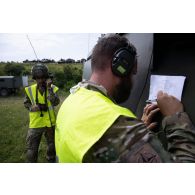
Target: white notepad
{"points": [[173, 85]]}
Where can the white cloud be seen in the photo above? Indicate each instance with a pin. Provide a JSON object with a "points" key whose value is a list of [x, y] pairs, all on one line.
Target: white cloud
{"points": [[16, 47]]}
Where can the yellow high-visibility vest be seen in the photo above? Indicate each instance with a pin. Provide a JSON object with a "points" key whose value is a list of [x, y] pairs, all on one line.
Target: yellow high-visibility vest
{"points": [[82, 120], [48, 119]]}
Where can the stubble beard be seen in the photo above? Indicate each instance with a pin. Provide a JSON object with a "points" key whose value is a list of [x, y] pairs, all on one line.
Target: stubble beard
{"points": [[123, 90]]}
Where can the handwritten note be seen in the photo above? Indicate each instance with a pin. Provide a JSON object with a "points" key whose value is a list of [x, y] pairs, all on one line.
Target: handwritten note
{"points": [[173, 85]]}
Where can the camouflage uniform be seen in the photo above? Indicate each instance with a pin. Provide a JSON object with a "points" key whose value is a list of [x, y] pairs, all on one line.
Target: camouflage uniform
{"points": [[34, 134], [129, 140]]}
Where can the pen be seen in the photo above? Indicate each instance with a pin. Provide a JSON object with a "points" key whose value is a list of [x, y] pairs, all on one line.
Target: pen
{"points": [[150, 101]]}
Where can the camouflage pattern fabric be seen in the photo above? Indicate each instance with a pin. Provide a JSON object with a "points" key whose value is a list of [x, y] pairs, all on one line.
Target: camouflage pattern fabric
{"points": [[33, 140], [129, 140], [180, 134]]}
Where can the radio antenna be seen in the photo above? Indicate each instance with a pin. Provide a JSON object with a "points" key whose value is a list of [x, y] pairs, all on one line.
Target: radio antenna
{"points": [[32, 46]]}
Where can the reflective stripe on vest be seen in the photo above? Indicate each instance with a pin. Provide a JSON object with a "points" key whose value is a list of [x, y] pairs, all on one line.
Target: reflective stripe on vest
{"points": [[48, 119], [31, 95], [82, 120]]}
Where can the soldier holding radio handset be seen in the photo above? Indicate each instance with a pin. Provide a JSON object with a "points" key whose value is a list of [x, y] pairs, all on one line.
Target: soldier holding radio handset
{"points": [[40, 100]]}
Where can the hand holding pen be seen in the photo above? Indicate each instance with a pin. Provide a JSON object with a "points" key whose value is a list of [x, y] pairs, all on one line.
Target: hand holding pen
{"points": [[168, 104]]}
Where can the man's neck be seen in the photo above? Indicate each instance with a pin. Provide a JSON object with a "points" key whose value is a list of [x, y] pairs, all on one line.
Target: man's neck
{"points": [[104, 81]]}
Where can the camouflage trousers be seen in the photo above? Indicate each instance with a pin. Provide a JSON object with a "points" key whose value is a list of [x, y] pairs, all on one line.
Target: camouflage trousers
{"points": [[33, 140]]}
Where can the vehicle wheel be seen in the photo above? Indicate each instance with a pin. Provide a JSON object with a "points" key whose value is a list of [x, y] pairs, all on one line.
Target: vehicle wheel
{"points": [[4, 92]]}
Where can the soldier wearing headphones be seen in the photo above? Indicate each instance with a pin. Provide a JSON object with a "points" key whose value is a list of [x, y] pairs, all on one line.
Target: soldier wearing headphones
{"points": [[97, 129], [40, 100]]}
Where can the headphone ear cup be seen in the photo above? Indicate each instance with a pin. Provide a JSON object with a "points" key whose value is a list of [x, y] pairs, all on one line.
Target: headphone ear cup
{"points": [[122, 62], [117, 67]]}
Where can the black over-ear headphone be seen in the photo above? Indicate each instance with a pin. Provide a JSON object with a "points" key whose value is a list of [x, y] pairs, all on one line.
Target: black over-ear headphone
{"points": [[123, 62]]}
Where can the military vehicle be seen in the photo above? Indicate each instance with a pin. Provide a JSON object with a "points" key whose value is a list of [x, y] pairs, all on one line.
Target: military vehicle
{"points": [[10, 84], [160, 54]]}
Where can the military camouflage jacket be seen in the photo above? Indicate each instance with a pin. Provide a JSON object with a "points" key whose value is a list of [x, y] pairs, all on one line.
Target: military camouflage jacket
{"points": [[129, 140]]}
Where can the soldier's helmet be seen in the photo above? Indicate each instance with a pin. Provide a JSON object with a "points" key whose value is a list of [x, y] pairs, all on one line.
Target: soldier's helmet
{"points": [[39, 69]]}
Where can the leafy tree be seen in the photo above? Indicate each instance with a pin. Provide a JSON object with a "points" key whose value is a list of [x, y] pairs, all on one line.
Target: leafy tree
{"points": [[77, 75], [69, 61], [13, 69], [62, 61], [59, 79], [26, 72], [68, 73]]}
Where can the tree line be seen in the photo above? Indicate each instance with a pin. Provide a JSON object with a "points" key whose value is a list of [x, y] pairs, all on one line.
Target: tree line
{"points": [[61, 61], [64, 76]]}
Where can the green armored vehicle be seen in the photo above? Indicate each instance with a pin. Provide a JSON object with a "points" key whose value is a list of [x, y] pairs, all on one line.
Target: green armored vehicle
{"points": [[10, 84]]}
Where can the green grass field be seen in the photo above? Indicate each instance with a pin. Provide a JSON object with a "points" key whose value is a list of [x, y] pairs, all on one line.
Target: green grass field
{"points": [[14, 122]]}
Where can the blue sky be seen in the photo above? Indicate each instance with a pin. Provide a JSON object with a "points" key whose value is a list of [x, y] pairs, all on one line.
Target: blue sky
{"points": [[16, 47]]}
